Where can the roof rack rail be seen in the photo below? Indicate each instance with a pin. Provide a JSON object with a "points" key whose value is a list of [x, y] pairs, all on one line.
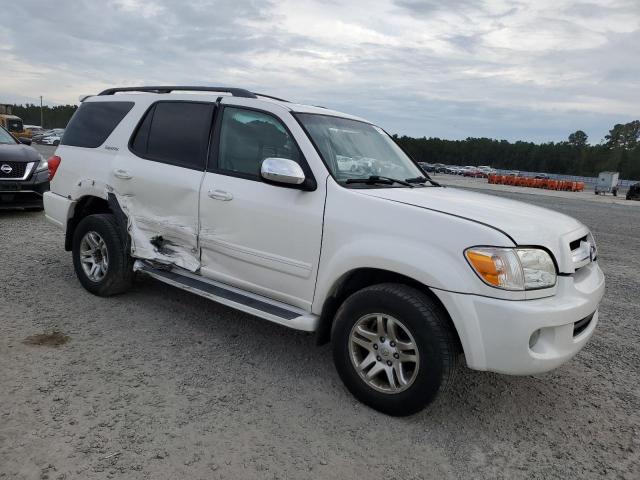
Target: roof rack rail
{"points": [[271, 97], [236, 92]]}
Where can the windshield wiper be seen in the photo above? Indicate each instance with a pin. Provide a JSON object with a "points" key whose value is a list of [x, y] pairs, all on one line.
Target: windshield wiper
{"points": [[416, 180], [422, 180], [373, 179]]}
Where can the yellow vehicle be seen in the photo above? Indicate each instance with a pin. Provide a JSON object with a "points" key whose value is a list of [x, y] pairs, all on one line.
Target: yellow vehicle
{"points": [[12, 123]]}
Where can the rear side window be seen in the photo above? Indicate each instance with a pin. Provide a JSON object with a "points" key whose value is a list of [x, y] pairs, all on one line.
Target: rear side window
{"points": [[93, 122], [176, 133]]}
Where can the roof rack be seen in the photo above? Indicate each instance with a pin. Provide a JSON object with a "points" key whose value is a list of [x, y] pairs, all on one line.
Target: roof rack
{"points": [[271, 97], [236, 92]]}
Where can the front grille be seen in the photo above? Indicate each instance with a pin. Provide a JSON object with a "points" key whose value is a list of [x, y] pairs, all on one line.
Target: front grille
{"points": [[17, 169], [581, 325]]}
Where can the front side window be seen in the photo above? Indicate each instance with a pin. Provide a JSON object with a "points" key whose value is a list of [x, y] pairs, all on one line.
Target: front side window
{"points": [[247, 137], [6, 138], [357, 150], [176, 133]]}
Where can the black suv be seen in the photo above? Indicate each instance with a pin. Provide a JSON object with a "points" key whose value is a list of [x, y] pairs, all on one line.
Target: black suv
{"points": [[24, 173]]}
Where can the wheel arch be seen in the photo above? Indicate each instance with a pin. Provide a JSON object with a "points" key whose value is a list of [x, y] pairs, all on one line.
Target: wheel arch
{"points": [[90, 205], [360, 278]]}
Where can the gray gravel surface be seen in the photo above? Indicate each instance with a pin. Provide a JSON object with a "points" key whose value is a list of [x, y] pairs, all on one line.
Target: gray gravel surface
{"points": [[161, 384]]}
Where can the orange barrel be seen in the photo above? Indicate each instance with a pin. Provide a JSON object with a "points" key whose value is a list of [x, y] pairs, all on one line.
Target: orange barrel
{"points": [[580, 186]]}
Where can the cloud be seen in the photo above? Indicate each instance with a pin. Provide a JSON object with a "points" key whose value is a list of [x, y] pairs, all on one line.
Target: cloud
{"points": [[506, 69]]}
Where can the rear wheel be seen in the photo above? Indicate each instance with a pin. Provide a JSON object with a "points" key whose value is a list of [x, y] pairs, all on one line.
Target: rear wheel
{"points": [[394, 348], [100, 261]]}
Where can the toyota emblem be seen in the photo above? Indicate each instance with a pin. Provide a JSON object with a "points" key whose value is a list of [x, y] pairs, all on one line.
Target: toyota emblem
{"points": [[6, 169]]}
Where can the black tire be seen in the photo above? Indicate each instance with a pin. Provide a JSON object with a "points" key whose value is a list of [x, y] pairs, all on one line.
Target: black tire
{"points": [[56, 143], [119, 275], [431, 329]]}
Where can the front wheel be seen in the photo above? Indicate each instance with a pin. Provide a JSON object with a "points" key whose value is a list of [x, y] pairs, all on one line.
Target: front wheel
{"points": [[394, 348], [100, 261]]}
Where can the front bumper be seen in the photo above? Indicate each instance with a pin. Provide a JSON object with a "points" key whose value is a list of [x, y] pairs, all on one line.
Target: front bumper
{"points": [[496, 334], [24, 193]]}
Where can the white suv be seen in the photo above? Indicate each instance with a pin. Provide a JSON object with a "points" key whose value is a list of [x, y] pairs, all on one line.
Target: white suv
{"points": [[252, 201]]}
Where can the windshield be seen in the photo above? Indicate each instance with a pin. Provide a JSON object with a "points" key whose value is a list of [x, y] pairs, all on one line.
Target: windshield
{"points": [[353, 149], [5, 137]]}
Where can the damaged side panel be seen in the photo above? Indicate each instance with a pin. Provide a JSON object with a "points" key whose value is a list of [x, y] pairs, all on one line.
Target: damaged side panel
{"points": [[169, 240], [150, 235]]}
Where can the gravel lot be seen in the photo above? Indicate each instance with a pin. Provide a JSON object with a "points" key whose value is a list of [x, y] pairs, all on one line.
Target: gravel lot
{"points": [[158, 383]]}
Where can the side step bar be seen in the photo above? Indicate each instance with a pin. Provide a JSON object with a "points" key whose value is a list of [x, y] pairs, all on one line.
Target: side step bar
{"points": [[248, 302]]}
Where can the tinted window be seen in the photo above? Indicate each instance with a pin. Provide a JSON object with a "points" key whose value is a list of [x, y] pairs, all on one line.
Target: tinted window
{"points": [[5, 137], [247, 137], [176, 133], [93, 122]]}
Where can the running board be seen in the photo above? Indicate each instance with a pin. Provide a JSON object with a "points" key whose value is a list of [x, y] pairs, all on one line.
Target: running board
{"points": [[257, 305]]}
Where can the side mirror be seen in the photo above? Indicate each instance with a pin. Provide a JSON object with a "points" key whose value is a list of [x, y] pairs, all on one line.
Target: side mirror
{"points": [[282, 171], [25, 140]]}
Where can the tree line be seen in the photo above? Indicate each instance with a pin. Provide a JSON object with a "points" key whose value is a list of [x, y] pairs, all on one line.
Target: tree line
{"points": [[619, 152], [53, 117]]}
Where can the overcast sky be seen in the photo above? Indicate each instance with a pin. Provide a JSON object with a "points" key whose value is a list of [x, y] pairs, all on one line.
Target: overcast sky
{"points": [[533, 70]]}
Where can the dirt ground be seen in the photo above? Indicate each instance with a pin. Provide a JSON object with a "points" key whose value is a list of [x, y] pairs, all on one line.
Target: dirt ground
{"points": [[161, 384]]}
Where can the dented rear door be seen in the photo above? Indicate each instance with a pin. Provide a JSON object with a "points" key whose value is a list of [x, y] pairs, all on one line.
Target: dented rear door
{"points": [[157, 181]]}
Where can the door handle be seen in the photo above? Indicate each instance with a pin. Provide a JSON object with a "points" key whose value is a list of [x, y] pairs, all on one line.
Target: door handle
{"points": [[220, 195], [123, 174]]}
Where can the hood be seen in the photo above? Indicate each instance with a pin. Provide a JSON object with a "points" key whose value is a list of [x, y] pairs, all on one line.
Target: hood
{"points": [[18, 153], [524, 224]]}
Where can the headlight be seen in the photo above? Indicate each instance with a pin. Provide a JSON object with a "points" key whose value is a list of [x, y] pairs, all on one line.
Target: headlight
{"points": [[513, 268], [42, 164]]}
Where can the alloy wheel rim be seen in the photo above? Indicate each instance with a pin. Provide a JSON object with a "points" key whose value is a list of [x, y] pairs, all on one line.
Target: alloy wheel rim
{"points": [[94, 256], [384, 353]]}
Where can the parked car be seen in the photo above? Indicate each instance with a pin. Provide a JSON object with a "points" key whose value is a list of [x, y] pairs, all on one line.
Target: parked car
{"points": [[486, 170], [34, 130], [24, 174], [470, 171], [400, 274], [634, 192], [439, 167], [542, 176], [53, 139], [55, 131]]}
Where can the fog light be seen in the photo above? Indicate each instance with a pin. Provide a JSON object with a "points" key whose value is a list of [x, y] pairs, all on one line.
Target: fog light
{"points": [[535, 336]]}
